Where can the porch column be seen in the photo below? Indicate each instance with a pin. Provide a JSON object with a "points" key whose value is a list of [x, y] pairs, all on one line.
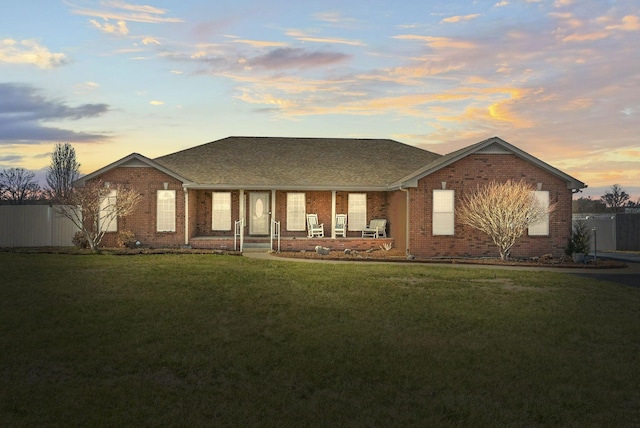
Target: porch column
{"points": [[241, 205], [333, 214], [273, 207], [186, 216]]}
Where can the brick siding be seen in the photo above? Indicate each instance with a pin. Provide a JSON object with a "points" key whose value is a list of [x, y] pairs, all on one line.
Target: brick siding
{"points": [[465, 176], [462, 176], [142, 221]]}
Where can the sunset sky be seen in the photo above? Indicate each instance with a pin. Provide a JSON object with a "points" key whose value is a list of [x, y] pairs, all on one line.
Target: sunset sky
{"points": [[558, 78]]}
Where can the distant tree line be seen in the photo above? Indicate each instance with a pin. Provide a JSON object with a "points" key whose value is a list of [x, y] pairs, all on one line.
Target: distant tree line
{"points": [[614, 200], [18, 186]]}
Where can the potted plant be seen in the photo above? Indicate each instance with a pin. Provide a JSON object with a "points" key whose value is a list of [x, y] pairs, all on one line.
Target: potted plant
{"points": [[580, 241]]}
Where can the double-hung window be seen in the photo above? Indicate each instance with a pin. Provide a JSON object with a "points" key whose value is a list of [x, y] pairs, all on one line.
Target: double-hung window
{"points": [[166, 211], [296, 203], [357, 211], [221, 211], [541, 227], [443, 214]]}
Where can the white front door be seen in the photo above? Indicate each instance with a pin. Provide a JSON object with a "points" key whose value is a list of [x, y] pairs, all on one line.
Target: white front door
{"points": [[259, 220]]}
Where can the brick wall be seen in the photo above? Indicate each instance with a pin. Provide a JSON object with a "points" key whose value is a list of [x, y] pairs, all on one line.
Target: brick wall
{"points": [[464, 176], [202, 214], [142, 222], [298, 244]]}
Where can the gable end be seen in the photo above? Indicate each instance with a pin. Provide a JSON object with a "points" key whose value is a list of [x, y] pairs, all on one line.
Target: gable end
{"points": [[495, 149]]}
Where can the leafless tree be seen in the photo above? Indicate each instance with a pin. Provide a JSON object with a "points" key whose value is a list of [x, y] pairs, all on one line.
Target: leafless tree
{"points": [[63, 171], [18, 185], [615, 198], [93, 208], [503, 211]]}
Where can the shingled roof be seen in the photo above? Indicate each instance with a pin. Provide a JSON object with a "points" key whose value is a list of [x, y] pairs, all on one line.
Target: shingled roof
{"points": [[292, 163]]}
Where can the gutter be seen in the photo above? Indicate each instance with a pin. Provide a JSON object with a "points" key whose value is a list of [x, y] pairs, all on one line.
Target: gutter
{"points": [[197, 186]]}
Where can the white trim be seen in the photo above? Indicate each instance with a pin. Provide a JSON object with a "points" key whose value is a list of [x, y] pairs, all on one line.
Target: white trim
{"points": [[443, 212], [165, 223]]}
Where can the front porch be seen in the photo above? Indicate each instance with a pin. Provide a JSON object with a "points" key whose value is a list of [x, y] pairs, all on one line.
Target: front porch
{"points": [[290, 243]]}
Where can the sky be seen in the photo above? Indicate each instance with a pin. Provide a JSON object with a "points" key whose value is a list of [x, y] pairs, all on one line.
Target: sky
{"points": [[559, 79]]}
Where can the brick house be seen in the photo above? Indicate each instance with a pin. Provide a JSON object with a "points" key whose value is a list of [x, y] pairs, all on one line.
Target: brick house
{"points": [[210, 195]]}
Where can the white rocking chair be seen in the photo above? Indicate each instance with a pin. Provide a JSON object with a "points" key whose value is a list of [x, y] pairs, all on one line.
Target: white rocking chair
{"points": [[314, 229], [341, 225]]}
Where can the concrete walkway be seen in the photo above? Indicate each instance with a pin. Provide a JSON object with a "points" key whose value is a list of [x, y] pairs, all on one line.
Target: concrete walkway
{"points": [[629, 276]]}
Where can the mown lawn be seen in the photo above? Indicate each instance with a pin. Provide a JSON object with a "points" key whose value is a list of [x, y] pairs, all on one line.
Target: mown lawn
{"points": [[209, 340]]}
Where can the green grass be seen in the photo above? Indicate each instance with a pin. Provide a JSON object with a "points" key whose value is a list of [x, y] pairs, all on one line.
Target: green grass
{"points": [[207, 340]]}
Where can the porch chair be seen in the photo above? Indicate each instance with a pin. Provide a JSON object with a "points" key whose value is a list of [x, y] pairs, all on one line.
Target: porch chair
{"points": [[341, 225], [315, 229], [377, 227]]}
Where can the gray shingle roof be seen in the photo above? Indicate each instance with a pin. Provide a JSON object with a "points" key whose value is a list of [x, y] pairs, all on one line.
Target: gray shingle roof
{"points": [[310, 163]]}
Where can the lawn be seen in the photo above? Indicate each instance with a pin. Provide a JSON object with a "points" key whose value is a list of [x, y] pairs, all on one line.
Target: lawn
{"points": [[211, 340]]}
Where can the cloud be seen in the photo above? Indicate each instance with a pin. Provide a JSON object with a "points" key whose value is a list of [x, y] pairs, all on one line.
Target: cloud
{"points": [[586, 37], [460, 18], [30, 52], [438, 42], [629, 23], [286, 58], [304, 37], [23, 112], [333, 17], [156, 103], [119, 29], [221, 59], [260, 43], [150, 41], [121, 11]]}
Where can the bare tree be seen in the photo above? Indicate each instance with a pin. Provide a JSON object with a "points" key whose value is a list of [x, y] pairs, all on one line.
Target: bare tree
{"points": [[615, 198], [63, 171], [94, 207], [503, 211], [18, 185]]}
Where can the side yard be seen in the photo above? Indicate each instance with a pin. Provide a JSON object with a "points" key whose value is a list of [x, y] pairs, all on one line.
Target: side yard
{"points": [[206, 339]]}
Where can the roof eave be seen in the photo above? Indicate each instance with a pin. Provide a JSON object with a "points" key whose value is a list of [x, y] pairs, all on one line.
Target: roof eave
{"points": [[249, 186]]}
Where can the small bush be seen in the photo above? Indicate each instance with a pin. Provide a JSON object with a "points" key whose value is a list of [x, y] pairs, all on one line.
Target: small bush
{"points": [[580, 241], [126, 239], [79, 240]]}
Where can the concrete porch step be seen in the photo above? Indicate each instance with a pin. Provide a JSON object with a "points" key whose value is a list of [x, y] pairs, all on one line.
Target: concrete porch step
{"points": [[256, 246]]}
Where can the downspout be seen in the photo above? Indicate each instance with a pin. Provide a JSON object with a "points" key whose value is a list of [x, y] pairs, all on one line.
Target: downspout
{"points": [[186, 216], [407, 229]]}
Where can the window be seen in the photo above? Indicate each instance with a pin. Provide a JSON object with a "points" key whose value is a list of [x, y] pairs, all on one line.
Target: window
{"points": [[357, 212], [221, 211], [108, 219], [443, 219], [296, 211], [166, 211], [541, 227]]}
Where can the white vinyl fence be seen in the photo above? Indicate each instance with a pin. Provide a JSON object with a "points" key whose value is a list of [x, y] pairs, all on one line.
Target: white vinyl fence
{"points": [[34, 226]]}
